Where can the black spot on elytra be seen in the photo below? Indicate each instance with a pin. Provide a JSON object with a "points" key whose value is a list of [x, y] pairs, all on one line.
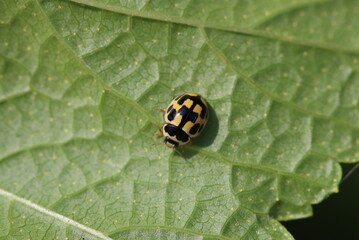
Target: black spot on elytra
{"points": [[182, 136], [167, 139], [204, 110], [171, 129], [183, 111], [188, 115], [171, 115], [192, 116], [194, 129], [182, 98]]}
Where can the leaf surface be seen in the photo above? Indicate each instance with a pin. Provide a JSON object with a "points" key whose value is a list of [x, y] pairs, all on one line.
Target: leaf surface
{"points": [[80, 89]]}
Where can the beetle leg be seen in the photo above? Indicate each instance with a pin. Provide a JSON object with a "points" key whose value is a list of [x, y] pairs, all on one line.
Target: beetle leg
{"points": [[159, 133]]}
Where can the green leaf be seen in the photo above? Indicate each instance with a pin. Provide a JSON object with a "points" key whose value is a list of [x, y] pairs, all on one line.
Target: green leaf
{"points": [[81, 83]]}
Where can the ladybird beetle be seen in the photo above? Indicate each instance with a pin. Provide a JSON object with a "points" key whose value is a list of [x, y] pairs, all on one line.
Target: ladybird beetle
{"points": [[184, 118]]}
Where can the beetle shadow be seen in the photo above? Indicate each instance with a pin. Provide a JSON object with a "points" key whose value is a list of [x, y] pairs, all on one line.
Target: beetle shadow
{"points": [[207, 137]]}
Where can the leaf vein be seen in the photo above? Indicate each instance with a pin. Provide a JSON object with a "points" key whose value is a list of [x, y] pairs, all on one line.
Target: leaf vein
{"points": [[52, 214]]}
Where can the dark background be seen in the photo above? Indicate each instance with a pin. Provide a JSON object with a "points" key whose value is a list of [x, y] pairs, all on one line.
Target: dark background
{"points": [[336, 217]]}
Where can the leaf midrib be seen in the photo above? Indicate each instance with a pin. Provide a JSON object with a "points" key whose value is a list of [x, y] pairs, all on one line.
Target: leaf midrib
{"points": [[45, 211], [100, 235]]}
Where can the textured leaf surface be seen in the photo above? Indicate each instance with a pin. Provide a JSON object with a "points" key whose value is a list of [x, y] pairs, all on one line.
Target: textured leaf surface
{"points": [[80, 87]]}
